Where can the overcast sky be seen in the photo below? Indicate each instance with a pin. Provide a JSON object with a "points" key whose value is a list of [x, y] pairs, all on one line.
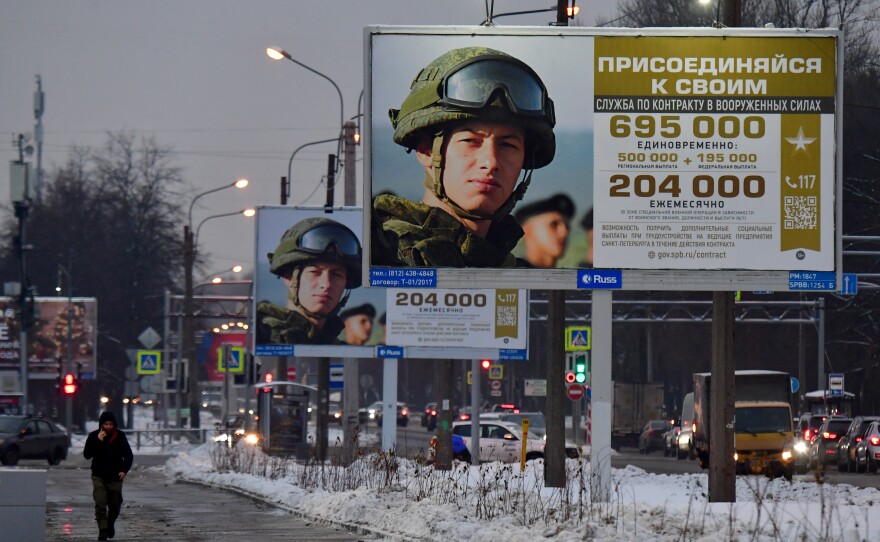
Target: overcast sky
{"points": [[194, 75]]}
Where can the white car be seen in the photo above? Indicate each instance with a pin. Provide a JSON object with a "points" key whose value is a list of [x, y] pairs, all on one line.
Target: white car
{"points": [[500, 441]]}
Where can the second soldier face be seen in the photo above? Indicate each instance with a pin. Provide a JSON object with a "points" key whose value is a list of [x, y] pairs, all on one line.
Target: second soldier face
{"points": [[548, 232], [482, 162]]}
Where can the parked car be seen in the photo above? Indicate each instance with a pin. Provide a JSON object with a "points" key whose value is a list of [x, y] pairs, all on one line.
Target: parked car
{"points": [[806, 428], [868, 450], [502, 441], [651, 437], [26, 437], [823, 449], [846, 447]]}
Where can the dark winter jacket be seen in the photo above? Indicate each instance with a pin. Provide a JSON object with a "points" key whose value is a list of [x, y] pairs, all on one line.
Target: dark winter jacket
{"points": [[110, 456]]}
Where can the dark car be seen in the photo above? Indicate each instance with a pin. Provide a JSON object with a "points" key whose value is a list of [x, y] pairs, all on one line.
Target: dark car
{"points": [[652, 436], [846, 447], [823, 449], [335, 413], [402, 415], [806, 428], [26, 437], [429, 418]]}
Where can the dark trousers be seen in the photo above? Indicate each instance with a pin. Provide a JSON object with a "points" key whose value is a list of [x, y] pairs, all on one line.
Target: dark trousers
{"points": [[108, 500]]}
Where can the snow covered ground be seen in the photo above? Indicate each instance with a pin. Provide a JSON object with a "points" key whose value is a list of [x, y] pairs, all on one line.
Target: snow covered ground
{"points": [[408, 501]]}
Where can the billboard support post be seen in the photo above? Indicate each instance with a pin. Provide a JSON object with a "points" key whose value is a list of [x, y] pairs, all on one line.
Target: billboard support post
{"points": [[322, 429], [601, 400], [554, 451], [351, 386], [389, 405]]}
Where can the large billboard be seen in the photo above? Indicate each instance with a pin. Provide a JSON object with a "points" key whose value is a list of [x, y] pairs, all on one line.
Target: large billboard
{"points": [[63, 328], [563, 158]]}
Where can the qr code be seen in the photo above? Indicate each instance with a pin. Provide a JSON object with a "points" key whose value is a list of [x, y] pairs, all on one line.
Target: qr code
{"points": [[505, 316], [801, 212]]}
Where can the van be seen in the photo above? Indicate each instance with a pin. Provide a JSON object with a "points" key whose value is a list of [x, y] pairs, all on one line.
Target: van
{"points": [[684, 440]]}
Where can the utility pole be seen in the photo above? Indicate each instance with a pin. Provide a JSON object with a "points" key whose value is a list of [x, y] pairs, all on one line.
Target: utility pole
{"points": [[21, 192], [39, 107], [322, 430], [554, 451], [351, 366], [722, 468], [189, 346]]}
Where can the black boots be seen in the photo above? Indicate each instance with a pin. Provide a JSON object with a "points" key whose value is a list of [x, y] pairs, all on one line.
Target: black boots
{"points": [[102, 534], [111, 530]]}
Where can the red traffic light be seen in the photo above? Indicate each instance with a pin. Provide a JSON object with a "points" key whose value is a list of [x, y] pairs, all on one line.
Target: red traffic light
{"points": [[69, 386], [485, 364], [570, 377], [269, 377]]}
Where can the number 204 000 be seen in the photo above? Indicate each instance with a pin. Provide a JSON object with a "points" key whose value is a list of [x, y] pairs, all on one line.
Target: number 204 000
{"points": [[449, 299], [703, 186]]}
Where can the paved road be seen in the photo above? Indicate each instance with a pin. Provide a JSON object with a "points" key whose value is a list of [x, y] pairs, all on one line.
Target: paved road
{"points": [[155, 509]]}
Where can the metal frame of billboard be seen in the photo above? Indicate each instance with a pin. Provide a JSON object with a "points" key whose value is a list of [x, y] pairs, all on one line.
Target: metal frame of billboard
{"points": [[622, 278]]}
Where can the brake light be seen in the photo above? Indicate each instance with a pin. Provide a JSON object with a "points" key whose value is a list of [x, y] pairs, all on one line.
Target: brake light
{"points": [[875, 441], [432, 442], [807, 434], [433, 413], [403, 412], [858, 439], [826, 434]]}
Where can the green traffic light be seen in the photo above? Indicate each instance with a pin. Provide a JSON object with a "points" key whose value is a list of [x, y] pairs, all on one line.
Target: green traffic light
{"points": [[580, 377], [580, 368]]}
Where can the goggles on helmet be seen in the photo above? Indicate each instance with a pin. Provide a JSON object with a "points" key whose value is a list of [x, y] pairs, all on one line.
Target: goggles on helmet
{"points": [[473, 84], [318, 241]]}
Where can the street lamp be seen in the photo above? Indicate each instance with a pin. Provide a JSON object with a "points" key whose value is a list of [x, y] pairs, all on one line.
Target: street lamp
{"points": [[189, 343], [276, 53], [217, 278], [247, 213], [286, 193]]}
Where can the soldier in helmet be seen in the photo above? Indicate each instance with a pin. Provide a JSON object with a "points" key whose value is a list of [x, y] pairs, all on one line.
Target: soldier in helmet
{"points": [[546, 226], [319, 261], [480, 121]]}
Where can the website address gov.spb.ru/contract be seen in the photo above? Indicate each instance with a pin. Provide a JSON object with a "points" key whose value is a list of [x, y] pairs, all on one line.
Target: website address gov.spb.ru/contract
{"points": [[687, 254]]}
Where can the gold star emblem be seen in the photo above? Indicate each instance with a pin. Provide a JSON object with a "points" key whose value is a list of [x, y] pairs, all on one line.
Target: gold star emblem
{"points": [[800, 142]]}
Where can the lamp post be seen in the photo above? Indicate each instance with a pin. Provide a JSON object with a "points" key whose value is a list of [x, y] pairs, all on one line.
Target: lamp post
{"points": [[247, 213], [189, 343], [276, 53], [217, 277], [285, 190]]}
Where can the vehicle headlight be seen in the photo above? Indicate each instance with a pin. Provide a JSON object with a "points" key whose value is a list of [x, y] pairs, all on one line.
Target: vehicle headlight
{"points": [[735, 456], [786, 455], [800, 447], [252, 439], [221, 438]]}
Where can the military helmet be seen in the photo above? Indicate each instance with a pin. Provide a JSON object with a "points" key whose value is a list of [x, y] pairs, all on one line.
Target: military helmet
{"points": [[478, 83], [318, 239]]}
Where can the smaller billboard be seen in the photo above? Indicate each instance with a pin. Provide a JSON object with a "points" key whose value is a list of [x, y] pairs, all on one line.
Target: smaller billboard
{"points": [[457, 318], [307, 285], [62, 325]]}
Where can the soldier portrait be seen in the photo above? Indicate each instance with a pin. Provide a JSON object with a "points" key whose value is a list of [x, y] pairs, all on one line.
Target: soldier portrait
{"points": [[358, 322], [318, 260], [466, 132]]}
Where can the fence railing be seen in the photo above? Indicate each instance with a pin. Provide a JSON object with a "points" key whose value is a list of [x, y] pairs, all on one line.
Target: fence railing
{"points": [[163, 438]]}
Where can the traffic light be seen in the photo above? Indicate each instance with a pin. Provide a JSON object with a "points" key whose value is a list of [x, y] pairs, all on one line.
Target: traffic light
{"points": [[569, 377], [485, 364], [580, 368], [69, 387]]}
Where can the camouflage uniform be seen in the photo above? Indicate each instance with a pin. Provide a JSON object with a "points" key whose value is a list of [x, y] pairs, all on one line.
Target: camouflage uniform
{"points": [[409, 233], [277, 325], [413, 234]]}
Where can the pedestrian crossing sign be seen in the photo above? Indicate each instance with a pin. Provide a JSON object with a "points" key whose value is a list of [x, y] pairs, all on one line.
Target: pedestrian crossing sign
{"points": [[236, 360], [149, 362], [578, 338]]}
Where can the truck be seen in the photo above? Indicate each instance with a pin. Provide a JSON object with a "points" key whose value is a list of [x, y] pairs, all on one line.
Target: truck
{"points": [[634, 404], [764, 438]]}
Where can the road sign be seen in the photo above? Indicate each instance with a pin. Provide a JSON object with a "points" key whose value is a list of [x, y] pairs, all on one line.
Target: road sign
{"points": [[578, 338], [835, 385], [496, 372], [795, 384], [236, 361], [495, 384], [337, 376], [850, 284], [149, 362], [495, 393], [149, 338], [575, 392], [535, 387], [291, 373]]}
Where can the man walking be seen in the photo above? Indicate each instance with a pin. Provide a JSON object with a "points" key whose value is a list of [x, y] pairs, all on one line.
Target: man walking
{"points": [[111, 458]]}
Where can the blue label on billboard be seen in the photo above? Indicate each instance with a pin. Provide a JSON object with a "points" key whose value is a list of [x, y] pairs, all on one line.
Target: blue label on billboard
{"points": [[512, 354], [403, 277], [274, 350], [600, 279], [389, 352], [812, 280]]}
